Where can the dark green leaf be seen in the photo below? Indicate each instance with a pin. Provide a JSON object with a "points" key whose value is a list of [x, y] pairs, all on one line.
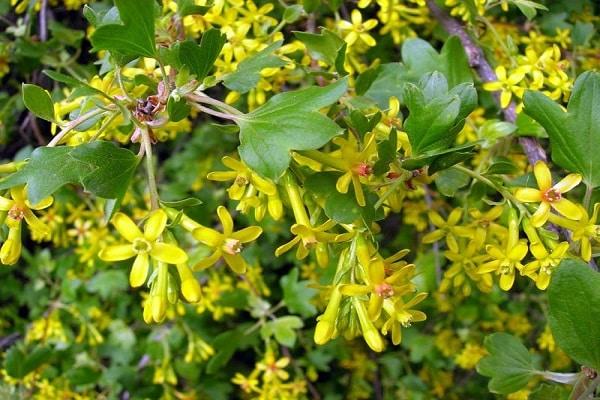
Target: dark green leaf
{"points": [[19, 362], [502, 166], [323, 46], [450, 181], [83, 375], [509, 364], [189, 7], [288, 121], [38, 101], [387, 152], [201, 58], [582, 33], [135, 37], [574, 315], [575, 133], [178, 109], [429, 157], [247, 74], [101, 167]]}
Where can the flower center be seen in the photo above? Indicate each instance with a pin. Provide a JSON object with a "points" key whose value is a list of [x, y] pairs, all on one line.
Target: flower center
{"points": [[241, 180], [232, 246], [551, 195], [17, 213], [384, 290], [363, 169], [141, 245]]}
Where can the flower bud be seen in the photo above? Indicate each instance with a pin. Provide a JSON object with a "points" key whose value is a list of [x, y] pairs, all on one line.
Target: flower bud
{"points": [[326, 326], [190, 288], [11, 249], [370, 333]]}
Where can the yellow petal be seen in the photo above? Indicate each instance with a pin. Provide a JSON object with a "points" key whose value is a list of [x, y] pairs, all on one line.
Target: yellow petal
{"points": [[507, 281], [236, 262], [528, 195], [168, 253], [208, 261], [117, 252], [505, 97], [542, 281], [567, 208], [367, 39], [264, 185], [343, 182], [358, 191], [222, 176], [567, 183], [540, 217], [488, 267], [44, 203], [6, 204], [234, 164], [208, 236], [34, 223], [538, 250], [226, 220], [376, 272], [247, 234], [155, 225], [139, 270], [518, 252], [284, 248], [126, 227], [542, 175]]}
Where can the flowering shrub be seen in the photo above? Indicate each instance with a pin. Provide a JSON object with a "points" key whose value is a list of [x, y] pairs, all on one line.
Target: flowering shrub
{"points": [[288, 200]]}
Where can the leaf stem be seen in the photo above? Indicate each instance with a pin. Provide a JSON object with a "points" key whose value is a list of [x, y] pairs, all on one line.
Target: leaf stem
{"points": [[74, 124], [216, 113], [202, 98], [503, 191]]}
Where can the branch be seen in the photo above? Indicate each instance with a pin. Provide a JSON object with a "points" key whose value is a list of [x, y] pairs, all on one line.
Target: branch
{"points": [[477, 60]]}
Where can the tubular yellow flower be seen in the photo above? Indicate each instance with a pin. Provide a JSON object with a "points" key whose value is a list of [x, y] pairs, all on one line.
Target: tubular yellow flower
{"points": [[584, 230], [242, 176], [357, 29], [326, 322], [504, 262], [370, 333], [11, 248], [228, 244], [19, 208], [142, 246], [380, 287], [448, 229], [190, 288], [544, 264], [550, 196]]}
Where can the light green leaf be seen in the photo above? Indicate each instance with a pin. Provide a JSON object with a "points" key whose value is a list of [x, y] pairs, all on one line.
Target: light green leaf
{"points": [[297, 295], [135, 37], [283, 328], [574, 314], [574, 134], [288, 121], [509, 364], [100, 167], [38, 101], [247, 74], [450, 181], [178, 109]]}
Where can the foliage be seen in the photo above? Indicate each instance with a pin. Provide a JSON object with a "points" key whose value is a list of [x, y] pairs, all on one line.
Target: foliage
{"points": [[302, 199]]}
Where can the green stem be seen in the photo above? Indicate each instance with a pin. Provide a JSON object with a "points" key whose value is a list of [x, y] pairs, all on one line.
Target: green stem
{"points": [[505, 193], [154, 198], [202, 98], [74, 124], [587, 198]]}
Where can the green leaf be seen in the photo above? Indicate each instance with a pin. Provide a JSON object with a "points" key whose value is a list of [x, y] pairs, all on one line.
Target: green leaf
{"points": [[110, 283], [450, 181], [582, 33], [20, 361], [419, 58], [38, 101], [288, 121], [283, 328], [492, 130], [297, 295], [527, 126], [292, 13], [509, 364], [201, 58], [247, 74], [100, 167], [178, 109], [83, 375], [189, 7], [429, 157], [529, 8], [502, 166], [435, 115], [135, 37], [323, 46], [574, 314], [573, 134]]}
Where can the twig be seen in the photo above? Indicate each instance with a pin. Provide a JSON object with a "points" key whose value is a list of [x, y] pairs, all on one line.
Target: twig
{"points": [[43, 20], [477, 60]]}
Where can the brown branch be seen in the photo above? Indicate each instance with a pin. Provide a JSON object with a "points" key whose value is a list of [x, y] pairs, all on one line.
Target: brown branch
{"points": [[477, 60]]}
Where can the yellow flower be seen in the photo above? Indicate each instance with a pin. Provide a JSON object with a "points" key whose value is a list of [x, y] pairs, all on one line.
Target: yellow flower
{"points": [[357, 29], [542, 267], [380, 287], [228, 244], [506, 261], [470, 356], [273, 369], [16, 208], [448, 229], [584, 230], [507, 85], [401, 315], [242, 176], [142, 246], [550, 196]]}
